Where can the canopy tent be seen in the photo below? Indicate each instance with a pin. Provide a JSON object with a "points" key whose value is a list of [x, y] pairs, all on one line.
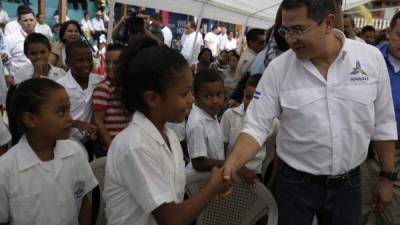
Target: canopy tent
{"points": [[253, 13]]}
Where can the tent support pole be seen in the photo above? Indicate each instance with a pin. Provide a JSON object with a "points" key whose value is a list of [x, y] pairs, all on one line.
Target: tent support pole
{"points": [[239, 48], [197, 30], [111, 21]]}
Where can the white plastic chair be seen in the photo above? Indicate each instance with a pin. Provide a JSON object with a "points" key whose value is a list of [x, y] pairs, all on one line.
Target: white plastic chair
{"points": [[245, 206]]}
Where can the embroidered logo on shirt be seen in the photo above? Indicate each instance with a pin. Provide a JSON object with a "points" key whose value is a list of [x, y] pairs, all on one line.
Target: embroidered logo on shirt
{"points": [[79, 188], [257, 95], [357, 73]]}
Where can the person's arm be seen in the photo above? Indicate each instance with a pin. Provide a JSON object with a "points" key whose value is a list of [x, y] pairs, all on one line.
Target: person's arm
{"points": [[86, 129], [85, 214], [118, 27], [98, 121], [186, 212], [383, 192], [385, 133], [204, 164]]}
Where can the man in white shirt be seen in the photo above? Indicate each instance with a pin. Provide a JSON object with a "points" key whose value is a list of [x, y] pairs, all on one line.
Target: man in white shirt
{"points": [[187, 43], [349, 25], [157, 23], [223, 38], [42, 27], [15, 42], [332, 96], [13, 26], [211, 40], [231, 42], [98, 26]]}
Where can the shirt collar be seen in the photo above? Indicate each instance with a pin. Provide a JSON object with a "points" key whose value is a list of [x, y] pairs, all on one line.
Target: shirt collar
{"points": [[239, 110], [345, 47], [27, 158], [202, 112], [142, 121], [94, 79]]}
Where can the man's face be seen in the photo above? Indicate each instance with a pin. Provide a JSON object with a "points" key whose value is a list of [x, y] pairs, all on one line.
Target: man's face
{"points": [[259, 44], [393, 36], [305, 36], [41, 19], [348, 28], [28, 22], [188, 29]]}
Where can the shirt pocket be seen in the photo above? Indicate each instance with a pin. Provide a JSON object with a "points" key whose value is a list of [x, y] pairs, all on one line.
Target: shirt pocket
{"points": [[26, 209], [358, 102], [305, 108]]}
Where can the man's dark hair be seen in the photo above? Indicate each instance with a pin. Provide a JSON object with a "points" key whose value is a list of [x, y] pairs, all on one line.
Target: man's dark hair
{"points": [[192, 24], [367, 28], [393, 21], [253, 34], [316, 9], [23, 12], [157, 16]]}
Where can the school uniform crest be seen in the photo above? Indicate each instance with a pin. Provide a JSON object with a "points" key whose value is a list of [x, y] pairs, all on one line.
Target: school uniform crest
{"points": [[79, 188]]}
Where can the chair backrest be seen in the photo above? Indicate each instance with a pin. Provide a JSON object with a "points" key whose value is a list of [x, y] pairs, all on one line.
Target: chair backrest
{"points": [[99, 169], [245, 206]]}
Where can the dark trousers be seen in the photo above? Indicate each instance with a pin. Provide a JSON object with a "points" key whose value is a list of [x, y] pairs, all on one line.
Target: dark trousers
{"points": [[75, 4], [301, 196]]}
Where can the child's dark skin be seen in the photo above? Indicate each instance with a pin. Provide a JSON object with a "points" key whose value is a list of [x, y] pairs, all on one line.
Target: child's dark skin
{"points": [[80, 62]]}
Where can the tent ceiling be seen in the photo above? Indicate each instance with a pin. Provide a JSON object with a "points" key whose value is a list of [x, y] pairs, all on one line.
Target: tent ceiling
{"points": [[260, 13]]}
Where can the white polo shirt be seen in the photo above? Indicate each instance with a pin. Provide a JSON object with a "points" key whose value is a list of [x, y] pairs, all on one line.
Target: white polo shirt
{"points": [[33, 192], [232, 123], [98, 24], [204, 137], [26, 72], [167, 33], [12, 27], [325, 125], [44, 29], [80, 100], [142, 173], [187, 45], [212, 41]]}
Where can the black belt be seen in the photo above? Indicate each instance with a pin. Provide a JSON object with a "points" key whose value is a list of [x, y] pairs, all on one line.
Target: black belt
{"points": [[320, 179]]}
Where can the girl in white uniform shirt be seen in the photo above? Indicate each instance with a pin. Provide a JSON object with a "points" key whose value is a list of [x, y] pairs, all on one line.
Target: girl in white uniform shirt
{"points": [[44, 178], [145, 174]]}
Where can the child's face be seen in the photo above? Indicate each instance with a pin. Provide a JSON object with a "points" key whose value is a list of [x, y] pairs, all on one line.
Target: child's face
{"points": [[178, 98], [248, 95], [232, 62], [80, 62], [37, 52], [205, 57], [112, 58], [53, 120], [210, 97]]}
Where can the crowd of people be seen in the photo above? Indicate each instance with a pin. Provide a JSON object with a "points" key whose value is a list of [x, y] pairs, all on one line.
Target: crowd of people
{"points": [[308, 108]]}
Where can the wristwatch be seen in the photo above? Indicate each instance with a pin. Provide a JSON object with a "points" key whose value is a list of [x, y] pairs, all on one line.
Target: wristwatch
{"points": [[389, 175]]}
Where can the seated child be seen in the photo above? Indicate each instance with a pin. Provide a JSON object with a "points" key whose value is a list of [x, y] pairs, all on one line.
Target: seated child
{"points": [[37, 49], [109, 116], [232, 124], [80, 83], [44, 178]]}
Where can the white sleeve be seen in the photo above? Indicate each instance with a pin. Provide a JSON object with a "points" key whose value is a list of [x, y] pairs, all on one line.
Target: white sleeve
{"points": [[226, 126], [196, 142], [141, 174], [264, 107], [4, 199], [86, 171], [385, 120]]}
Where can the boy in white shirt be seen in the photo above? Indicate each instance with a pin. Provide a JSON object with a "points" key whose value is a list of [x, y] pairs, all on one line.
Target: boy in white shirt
{"points": [[232, 124], [80, 83], [37, 49]]}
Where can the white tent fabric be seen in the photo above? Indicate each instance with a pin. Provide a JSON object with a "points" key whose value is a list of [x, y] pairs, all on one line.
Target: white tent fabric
{"points": [[257, 13]]}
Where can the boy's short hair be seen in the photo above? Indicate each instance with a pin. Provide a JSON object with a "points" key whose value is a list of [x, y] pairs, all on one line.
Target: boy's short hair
{"points": [[23, 12], [36, 38], [205, 76], [72, 46], [253, 80], [113, 47]]}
